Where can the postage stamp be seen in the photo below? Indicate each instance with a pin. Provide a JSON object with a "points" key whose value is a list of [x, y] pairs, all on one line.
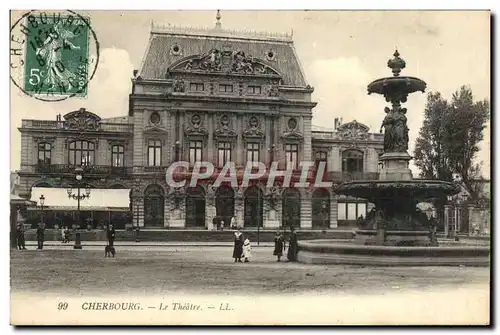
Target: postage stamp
{"points": [[56, 54]]}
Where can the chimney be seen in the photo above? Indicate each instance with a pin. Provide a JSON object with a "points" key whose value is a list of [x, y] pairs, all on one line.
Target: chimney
{"points": [[335, 123]]}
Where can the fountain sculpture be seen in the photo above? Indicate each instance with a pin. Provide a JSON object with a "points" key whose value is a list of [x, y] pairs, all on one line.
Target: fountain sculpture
{"points": [[396, 220]]}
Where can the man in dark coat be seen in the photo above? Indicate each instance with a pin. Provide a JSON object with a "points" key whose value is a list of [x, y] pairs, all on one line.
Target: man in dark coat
{"points": [[40, 235], [292, 246], [21, 244], [238, 246], [111, 235]]}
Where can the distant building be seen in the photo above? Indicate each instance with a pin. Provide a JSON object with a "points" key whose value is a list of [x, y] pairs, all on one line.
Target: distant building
{"points": [[213, 95]]}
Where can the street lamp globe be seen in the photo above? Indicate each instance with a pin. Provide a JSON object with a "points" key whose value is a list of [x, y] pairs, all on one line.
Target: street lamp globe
{"points": [[78, 173]]}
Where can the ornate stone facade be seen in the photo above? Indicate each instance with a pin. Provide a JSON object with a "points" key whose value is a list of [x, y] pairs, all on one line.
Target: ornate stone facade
{"points": [[247, 96]]}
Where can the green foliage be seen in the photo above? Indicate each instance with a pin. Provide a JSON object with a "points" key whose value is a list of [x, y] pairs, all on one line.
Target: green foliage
{"points": [[448, 140]]}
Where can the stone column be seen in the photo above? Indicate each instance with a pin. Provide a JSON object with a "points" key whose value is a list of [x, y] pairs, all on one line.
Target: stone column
{"points": [[270, 214], [138, 147], [305, 210], [239, 207], [211, 149], [446, 218], [210, 210], [334, 208], [177, 210], [334, 160], [240, 150]]}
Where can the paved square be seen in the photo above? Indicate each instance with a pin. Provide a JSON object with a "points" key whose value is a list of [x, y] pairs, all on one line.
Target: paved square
{"points": [[210, 270]]}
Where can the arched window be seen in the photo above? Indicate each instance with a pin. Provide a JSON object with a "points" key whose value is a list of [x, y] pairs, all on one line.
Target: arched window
{"points": [[117, 155], [44, 153], [352, 161], [81, 153], [290, 207], [154, 206]]}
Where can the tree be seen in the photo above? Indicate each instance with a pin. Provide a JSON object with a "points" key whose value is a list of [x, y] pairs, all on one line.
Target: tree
{"points": [[448, 141]]}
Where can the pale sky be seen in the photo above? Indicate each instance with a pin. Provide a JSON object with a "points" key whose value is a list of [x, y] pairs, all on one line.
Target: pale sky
{"points": [[341, 53]]}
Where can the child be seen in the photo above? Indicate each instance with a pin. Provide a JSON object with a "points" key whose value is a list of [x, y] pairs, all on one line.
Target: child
{"points": [[247, 248], [63, 234]]}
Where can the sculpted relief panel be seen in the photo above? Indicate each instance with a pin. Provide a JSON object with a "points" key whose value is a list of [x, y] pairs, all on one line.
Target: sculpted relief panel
{"points": [[237, 62]]}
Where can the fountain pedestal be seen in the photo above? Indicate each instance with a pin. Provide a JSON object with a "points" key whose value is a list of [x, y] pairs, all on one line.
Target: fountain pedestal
{"points": [[395, 166]]}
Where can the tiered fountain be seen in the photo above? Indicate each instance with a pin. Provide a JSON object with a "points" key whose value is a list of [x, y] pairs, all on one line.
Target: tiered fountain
{"points": [[395, 220], [395, 231]]}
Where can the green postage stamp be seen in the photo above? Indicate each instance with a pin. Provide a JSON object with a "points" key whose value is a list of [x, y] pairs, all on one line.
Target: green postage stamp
{"points": [[56, 55]]}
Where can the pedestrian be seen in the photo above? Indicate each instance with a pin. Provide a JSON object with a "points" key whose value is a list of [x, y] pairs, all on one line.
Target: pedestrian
{"points": [[40, 236], [238, 246], [111, 235], [63, 234], [221, 225], [21, 243], [247, 250], [66, 235], [215, 223], [292, 246], [279, 245], [233, 222]]}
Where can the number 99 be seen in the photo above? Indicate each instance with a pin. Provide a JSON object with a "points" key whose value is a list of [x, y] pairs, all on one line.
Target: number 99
{"points": [[62, 306]]}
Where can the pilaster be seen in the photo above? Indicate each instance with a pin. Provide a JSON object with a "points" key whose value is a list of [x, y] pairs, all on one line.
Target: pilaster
{"points": [[306, 210], [138, 147], [334, 209]]}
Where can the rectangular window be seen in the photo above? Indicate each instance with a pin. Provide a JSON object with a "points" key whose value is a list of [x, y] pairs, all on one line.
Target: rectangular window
{"points": [[117, 155], [44, 153], [224, 153], [321, 157], [154, 153], [226, 88], [197, 87], [81, 153], [195, 148], [351, 211], [291, 156], [341, 211], [254, 89], [361, 210], [252, 152]]}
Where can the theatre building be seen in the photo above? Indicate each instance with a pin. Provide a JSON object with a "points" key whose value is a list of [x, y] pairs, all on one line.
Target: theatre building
{"points": [[200, 95]]}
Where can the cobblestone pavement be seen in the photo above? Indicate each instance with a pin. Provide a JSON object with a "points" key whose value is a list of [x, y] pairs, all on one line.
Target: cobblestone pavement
{"points": [[210, 270]]}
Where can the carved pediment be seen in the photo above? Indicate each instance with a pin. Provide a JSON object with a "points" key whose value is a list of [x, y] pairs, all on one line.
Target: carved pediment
{"points": [[222, 132], [235, 62], [353, 131], [154, 130], [45, 139], [253, 133], [292, 136], [82, 120]]}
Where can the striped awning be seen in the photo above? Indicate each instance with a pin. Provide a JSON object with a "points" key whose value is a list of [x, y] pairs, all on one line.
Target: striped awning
{"points": [[99, 200]]}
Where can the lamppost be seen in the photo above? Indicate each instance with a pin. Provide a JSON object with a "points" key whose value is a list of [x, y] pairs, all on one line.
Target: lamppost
{"points": [[42, 202], [78, 197]]}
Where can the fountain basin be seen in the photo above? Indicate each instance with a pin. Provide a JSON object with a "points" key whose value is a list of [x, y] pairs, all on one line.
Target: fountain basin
{"points": [[335, 252], [397, 84], [419, 190]]}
